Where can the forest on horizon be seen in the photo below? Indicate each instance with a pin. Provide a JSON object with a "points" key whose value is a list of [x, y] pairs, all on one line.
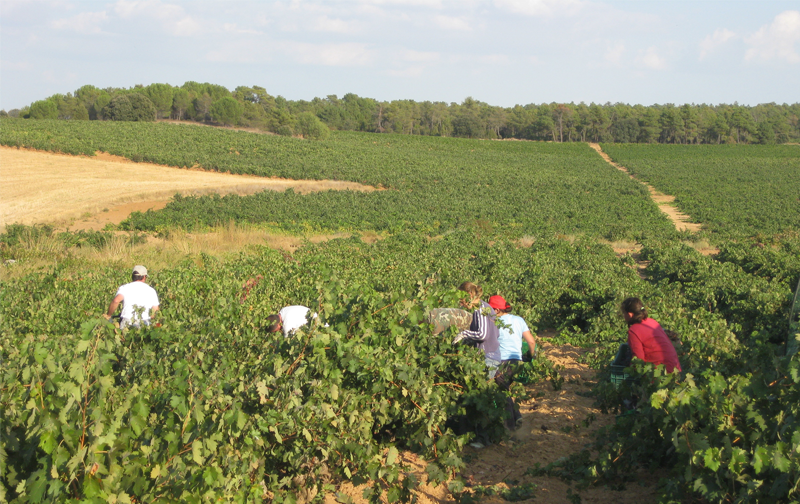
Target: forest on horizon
{"points": [[254, 107]]}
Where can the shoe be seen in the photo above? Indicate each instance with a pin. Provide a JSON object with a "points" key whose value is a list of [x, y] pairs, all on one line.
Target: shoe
{"points": [[518, 423]]}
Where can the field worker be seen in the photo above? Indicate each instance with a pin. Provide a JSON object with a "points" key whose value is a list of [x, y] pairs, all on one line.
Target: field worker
{"points": [[513, 330], [138, 299], [482, 330], [646, 339], [289, 319]]}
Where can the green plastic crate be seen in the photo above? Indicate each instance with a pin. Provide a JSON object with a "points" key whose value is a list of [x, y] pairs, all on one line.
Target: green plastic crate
{"points": [[619, 376]]}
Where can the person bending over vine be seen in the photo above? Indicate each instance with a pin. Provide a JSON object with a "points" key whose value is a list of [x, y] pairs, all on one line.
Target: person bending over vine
{"points": [[482, 330], [647, 340], [513, 330]]}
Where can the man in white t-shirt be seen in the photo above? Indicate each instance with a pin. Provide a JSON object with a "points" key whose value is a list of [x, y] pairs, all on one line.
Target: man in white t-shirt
{"points": [[290, 318], [138, 299]]}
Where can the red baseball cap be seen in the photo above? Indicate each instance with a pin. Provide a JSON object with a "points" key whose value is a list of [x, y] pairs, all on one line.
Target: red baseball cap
{"points": [[498, 303]]}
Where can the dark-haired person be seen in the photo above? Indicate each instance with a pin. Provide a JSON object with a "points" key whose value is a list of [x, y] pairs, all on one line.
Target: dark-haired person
{"points": [[482, 330], [138, 299], [512, 329], [646, 338], [290, 319]]}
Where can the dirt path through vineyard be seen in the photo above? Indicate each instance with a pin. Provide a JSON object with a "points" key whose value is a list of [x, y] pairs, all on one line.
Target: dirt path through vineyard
{"points": [[555, 424], [664, 201], [89, 192]]}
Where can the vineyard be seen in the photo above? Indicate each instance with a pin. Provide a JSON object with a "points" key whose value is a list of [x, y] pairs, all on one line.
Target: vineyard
{"points": [[734, 190], [435, 185], [205, 405]]}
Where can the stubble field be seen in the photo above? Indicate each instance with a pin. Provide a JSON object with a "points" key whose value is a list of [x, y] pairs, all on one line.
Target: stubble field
{"points": [[41, 187]]}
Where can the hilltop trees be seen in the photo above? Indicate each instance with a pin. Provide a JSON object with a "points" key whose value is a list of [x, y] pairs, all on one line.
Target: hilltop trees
{"points": [[130, 107], [181, 101], [161, 96], [227, 110], [254, 107], [311, 127], [44, 109]]}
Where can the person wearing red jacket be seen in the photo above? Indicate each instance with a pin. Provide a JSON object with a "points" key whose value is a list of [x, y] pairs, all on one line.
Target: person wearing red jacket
{"points": [[646, 338]]}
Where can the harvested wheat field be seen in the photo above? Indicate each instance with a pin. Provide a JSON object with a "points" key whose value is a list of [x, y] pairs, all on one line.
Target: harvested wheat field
{"points": [[41, 187]]}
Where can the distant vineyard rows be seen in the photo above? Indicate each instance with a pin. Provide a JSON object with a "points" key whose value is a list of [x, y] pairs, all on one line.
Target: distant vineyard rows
{"points": [[435, 184], [734, 190]]}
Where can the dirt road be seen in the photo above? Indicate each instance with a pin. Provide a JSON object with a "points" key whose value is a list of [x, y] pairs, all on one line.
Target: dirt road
{"points": [[664, 201]]}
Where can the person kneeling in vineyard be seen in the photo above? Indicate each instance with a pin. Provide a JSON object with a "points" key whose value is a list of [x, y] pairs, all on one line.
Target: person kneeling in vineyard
{"points": [[647, 340], [513, 329], [138, 299], [482, 331], [290, 319]]}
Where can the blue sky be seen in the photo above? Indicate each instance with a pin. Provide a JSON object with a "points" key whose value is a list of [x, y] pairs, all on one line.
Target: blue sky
{"points": [[503, 52]]}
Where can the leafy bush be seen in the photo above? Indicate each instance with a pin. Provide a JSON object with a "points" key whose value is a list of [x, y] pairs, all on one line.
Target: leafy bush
{"points": [[130, 107], [311, 127]]}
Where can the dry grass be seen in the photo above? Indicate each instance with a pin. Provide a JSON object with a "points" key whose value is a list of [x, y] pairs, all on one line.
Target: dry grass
{"points": [[225, 242], [40, 187]]}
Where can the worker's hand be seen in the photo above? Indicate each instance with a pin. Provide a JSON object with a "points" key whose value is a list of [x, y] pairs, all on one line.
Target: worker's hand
{"points": [[458, 338], [107, 316]]}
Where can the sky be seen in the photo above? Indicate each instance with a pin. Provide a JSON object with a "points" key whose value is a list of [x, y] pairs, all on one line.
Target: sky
{"points": [[502, 52]]}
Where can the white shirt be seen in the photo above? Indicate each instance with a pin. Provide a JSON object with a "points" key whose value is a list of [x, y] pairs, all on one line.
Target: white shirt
{"points": [[137, 295], [294, 317]]}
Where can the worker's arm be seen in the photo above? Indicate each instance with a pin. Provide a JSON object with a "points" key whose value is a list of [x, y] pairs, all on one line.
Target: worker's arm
{"points": [[528, 337], [113, 306]]}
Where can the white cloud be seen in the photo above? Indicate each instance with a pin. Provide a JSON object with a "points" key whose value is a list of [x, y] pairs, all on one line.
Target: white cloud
{"points": [[651, 59], [351, 54], [418, 56], [9, 6], [614, 53], [452, 23], [540, 7], [16, 65], [494, 59], [234, 28], [777, 40], [414, 71], [173, 18], [418, 3], [241, 55], [86, 22], [419, 60], [326, 24], [185, 27], [712, 42]]}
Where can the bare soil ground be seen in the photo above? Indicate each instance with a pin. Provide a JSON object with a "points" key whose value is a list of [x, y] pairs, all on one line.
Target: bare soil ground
{"points": [[553, 427], [40, 187], [665, 203]]}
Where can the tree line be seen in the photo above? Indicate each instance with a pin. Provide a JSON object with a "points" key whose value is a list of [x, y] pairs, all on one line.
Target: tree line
{"points": [[253, 107]]}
